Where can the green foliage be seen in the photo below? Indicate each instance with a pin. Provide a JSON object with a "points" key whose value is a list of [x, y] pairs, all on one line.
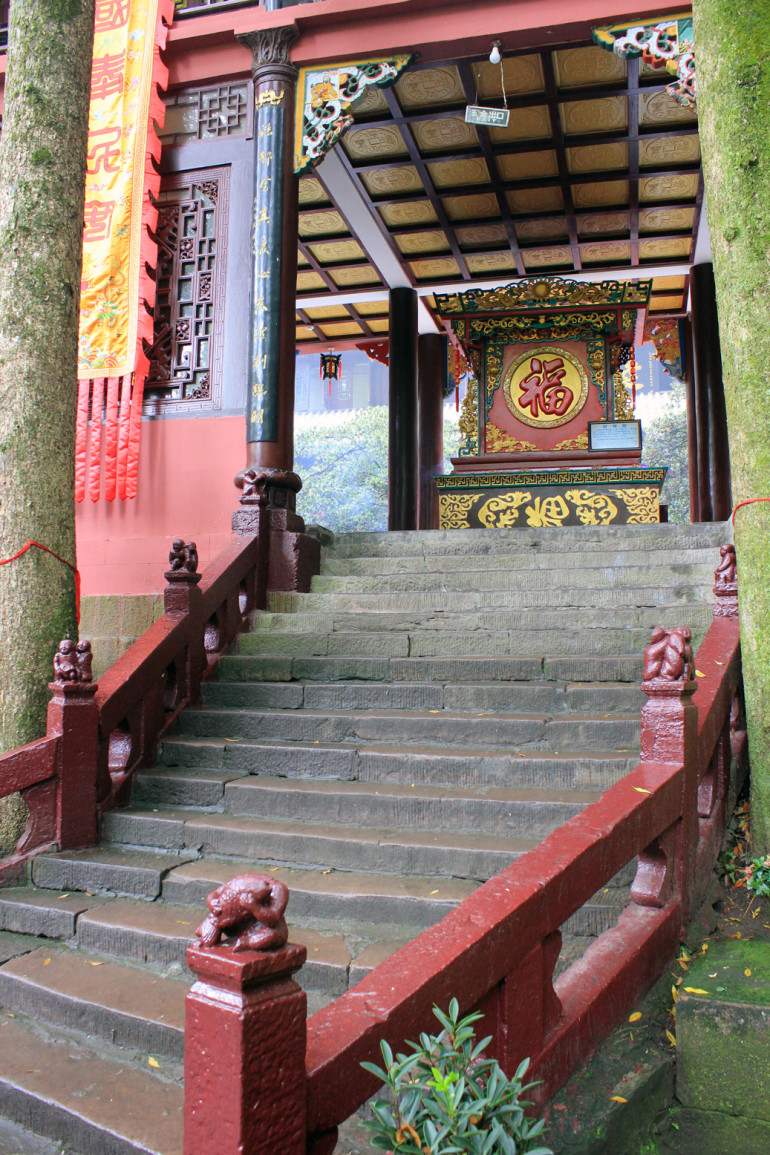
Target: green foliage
{"points": [[343, 463], [665, 444], [446, 1099], [731, 863], [758, 876]]}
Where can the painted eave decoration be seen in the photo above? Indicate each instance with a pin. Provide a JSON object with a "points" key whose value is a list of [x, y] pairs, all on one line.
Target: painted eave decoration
{"points": [[668, 43], [545, 293], [325, 95]]}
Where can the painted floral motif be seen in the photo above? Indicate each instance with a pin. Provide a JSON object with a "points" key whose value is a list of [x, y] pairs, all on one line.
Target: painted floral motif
{"points": [[454, 509], [502, 512], [642, 504], [592, 508]]}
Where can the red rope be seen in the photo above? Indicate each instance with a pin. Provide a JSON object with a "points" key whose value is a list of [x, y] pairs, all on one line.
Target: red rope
{"points": [[748, 501], [63, 560]]}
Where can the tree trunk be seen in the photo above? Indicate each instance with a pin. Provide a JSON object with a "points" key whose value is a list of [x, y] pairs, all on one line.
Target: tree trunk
{"points": [[733, 71], [42, 181]]}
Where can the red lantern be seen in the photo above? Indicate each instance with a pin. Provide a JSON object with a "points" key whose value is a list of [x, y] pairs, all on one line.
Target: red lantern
{"points": [[330, 367]]}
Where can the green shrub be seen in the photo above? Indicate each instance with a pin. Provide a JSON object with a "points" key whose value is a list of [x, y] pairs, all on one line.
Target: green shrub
{"points": [[447, 1099]]}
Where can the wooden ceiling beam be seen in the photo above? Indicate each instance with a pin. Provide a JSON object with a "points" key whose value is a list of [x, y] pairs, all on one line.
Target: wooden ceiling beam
{"points": [[633, 159], [355, 316], [310, 324], [557, 133], [315, 265]]}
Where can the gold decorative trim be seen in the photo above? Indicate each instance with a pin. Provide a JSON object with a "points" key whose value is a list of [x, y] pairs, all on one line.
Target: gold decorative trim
{"points": [[498, 441], [454, 509], [592, 508], [643, 505], [469, 420], [502, 512], [545, 293], [623, 407], [580, 442]]}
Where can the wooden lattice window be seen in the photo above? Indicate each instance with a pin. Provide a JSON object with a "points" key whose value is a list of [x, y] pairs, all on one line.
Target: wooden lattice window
{"points": [[187, 351]]}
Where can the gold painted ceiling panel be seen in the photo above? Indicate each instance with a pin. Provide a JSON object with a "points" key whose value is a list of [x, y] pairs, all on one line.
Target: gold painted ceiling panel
{"points": [[355, 275], [311, 191], [321, 224], [543, 258], [523, 74], [383, 142], [490, 262], [444, 134], [428, 87], [325, 312], [308, 281], [327, 252], [675, 220], [432, 242], [658, 108], [597, 157], [611, 192], [369, 308], [607, 114], [664, 248], [379, 325], [372, 101], [411, 213], [305, 334], [387, 181], [302, 260], [474, 235], [663, 150], [542, 229], [348, 329], [666, 304], [524, 165], [525, 124], [668, 188], [535, 200], [457, 173], [598, 252], [439, 267], [579, 67], [596, 224], [468, 208], [661, 284]]}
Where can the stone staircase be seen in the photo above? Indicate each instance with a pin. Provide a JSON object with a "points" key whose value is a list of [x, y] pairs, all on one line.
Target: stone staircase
{"points": [[435, 707]]}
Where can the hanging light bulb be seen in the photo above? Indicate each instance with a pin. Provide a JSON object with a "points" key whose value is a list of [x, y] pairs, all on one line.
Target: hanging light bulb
{"points": [[494, 56]]}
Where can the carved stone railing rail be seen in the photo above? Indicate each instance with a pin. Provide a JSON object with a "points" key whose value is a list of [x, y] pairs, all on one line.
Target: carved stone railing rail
{"points": [[98, 734], [245, 1037]]}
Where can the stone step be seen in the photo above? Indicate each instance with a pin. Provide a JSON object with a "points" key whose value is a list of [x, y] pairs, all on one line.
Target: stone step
{"points": [[590, 557], [92, 1102], [625, 667], [563, 539], [472, 855], [352, 727], [379, 647], [188, 780], [673, 573], [119, 1003], [106, 870], [512, 697], [294, 620], [493, 810]]}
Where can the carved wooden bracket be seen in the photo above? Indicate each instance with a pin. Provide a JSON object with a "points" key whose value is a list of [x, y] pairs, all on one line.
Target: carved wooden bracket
{"points": [[668, 44]]}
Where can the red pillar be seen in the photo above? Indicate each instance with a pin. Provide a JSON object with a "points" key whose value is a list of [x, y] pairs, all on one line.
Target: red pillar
{"points": [[431, 357], [708, 370], [692, 421], [402, 411]]}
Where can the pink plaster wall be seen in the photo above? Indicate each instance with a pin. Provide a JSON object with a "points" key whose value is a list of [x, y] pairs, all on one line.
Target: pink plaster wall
{"points": [[186, 471]]}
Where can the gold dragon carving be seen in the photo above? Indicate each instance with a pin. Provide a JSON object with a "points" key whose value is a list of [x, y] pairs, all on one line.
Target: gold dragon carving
{"points": [[498, 441], [502, 512]]}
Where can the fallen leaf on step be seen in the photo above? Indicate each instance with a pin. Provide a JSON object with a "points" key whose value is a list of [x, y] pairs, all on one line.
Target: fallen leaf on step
{"points": [[617, 1099], [698, 674], [181, 922], [716, 663], [747, 973], [47, 961], [326, 871], [94, 964], [316, 949], [714, 975], [434, 711], [641, 790], [695, 991], [153, 1062], [61, 896], [635, 1017], [434, 892], [233, 739]]}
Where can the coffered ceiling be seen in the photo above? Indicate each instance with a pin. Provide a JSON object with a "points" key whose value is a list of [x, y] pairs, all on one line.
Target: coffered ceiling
{"points": [[598, 169]]}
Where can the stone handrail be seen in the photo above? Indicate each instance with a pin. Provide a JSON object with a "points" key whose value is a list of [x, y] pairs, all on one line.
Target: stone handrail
{"points": [[497, 950]]}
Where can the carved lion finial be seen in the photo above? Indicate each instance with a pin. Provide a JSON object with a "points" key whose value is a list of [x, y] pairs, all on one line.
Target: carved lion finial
{"points": [[73, 662], [726, 584], [183, 556], [250, 910], [669, 656]]}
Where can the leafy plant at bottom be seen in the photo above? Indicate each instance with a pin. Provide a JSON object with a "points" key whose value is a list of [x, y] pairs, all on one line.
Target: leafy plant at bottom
{"points": [[448, 1100], [758, 876]]}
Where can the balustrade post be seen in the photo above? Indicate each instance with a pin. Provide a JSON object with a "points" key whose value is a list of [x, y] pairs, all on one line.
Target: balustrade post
{"points": [[73, 716], [245, 1029], [670, 734], [182, 596]]}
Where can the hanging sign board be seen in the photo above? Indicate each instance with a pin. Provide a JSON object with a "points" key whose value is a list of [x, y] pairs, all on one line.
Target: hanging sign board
{"points": [[496, 117], [604, 435]]}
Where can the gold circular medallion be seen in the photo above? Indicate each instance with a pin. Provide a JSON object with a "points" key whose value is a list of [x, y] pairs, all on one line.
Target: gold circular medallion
{"points": [[545, 387]]}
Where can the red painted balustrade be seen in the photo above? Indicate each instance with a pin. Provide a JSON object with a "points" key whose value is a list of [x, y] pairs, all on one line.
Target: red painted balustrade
{"points": [[98, 734], [288, 1085]]}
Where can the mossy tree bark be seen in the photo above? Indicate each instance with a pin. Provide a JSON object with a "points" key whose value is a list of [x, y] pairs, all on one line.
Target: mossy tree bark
{"points": [[42, 175], [733, 68]]}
